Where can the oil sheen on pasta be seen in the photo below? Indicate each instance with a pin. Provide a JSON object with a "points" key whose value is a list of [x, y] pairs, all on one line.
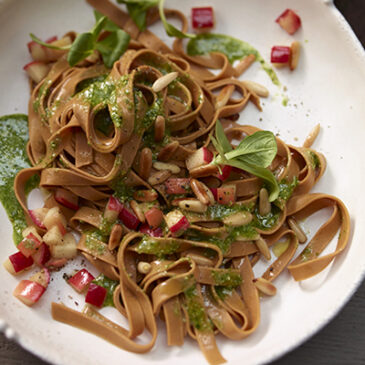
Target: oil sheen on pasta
{"points": [[233, 48], [13, 158]]}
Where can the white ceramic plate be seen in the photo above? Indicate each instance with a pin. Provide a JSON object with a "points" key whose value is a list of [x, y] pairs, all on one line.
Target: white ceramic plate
{"points": [[328, 88]]}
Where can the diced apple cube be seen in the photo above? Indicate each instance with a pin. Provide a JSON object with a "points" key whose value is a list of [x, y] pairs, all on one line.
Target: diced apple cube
{"points": [[202, 18], [96, 295], [112, 209], [177, 222], [177, 185], [146, 229], [17, 263], [67, 250], [54, 217], [226, 194], [29, 245], [289, 21], [53, 237], [226, 171], [154, 217], [36, 70], [280, 54], [33, 230], [29, 292], [42, 256], [129, 219], [81, 280], [37, 51], [41, 277], [38, 216], [200, 157], [54, 264]]}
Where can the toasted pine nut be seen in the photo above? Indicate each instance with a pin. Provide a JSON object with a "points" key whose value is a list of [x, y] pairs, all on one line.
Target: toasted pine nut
{"points": [[145, 195], [313, 134], [145, 163], [204, 170], [166, 153], [137, 211], [163, 81], [244, 64], [166, 166], [265, 286], [238, 219], [115, 236], [295, 52], [263, 248], [264, 203], [258, 89], [144, 267], [159, 128], [159, 177], [295, 227], [224, 96], [193, 205], [201, 192]]}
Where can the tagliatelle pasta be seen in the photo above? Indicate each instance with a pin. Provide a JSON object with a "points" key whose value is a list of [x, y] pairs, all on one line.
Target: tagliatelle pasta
{"points": [[94, 132]]}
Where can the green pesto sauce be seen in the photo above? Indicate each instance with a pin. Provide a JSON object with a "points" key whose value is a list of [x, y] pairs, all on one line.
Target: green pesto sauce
{"points": [[233, 48], [226, 278], [159, 248], [87, 82], [219, 211], [286, 190], [110, 286], [122, 191], [196, 311], [93, 239], [306, 254], [267, 221], [223, 291], [13, 158], [316, 163]]}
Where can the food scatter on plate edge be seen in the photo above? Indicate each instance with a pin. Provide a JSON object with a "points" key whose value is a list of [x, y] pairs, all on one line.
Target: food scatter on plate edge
{"points": [[133, 147]]}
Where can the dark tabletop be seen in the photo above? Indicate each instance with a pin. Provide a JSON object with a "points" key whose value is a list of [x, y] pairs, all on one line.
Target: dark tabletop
{"points": [[341, 342]]}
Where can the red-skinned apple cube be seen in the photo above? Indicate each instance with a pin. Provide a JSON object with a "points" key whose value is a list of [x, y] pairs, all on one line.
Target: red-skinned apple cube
{"points": [[146, 229], [96, 295], [289, 21], [17, 263], [67, 199], [177, 185], [280, 54], [55, 264], [226, 194], [226, 171], [37, 51], [129, 219], [177, 222], [112, 209], [154, 217], [42, 277], [38, 216], [81, 280], [29, 292], [36, 70], [54, 217], [200, 157], [29, 245], [42, 256], [202, 18]]}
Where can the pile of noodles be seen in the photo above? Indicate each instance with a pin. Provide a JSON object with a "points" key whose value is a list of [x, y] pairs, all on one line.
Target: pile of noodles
{"points": [[67, 151]]}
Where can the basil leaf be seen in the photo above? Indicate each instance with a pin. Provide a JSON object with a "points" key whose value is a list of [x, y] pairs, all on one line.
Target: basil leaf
{"points": [[48, 45], [82, 47], [113, 46], [170, 29], [258, 149], [260, 172], [98, 27], [222, 138], [108, 25]]}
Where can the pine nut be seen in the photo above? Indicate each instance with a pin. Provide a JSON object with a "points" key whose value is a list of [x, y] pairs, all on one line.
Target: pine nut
{"points": [[244, 64], [265, 286], [163, 81], [263, 248], [258, 89], [264, 203], [238, 219], [313, 134], [166, 166], [145, 163], [202, 192], [115, 236], [204, 170], [224, 96], [295, 227], [295, 52], [159, 128], [144, 267], [137, 211], [159, 177], [145, 195], [166, 153], [193, 205]]}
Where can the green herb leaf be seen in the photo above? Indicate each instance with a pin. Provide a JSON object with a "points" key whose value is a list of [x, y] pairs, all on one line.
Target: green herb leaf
{"points": [[98, 27], [222, 138], [82, 47], [113, 46], [170, 29], [259, 149], [108, 24], [48, 45]]}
